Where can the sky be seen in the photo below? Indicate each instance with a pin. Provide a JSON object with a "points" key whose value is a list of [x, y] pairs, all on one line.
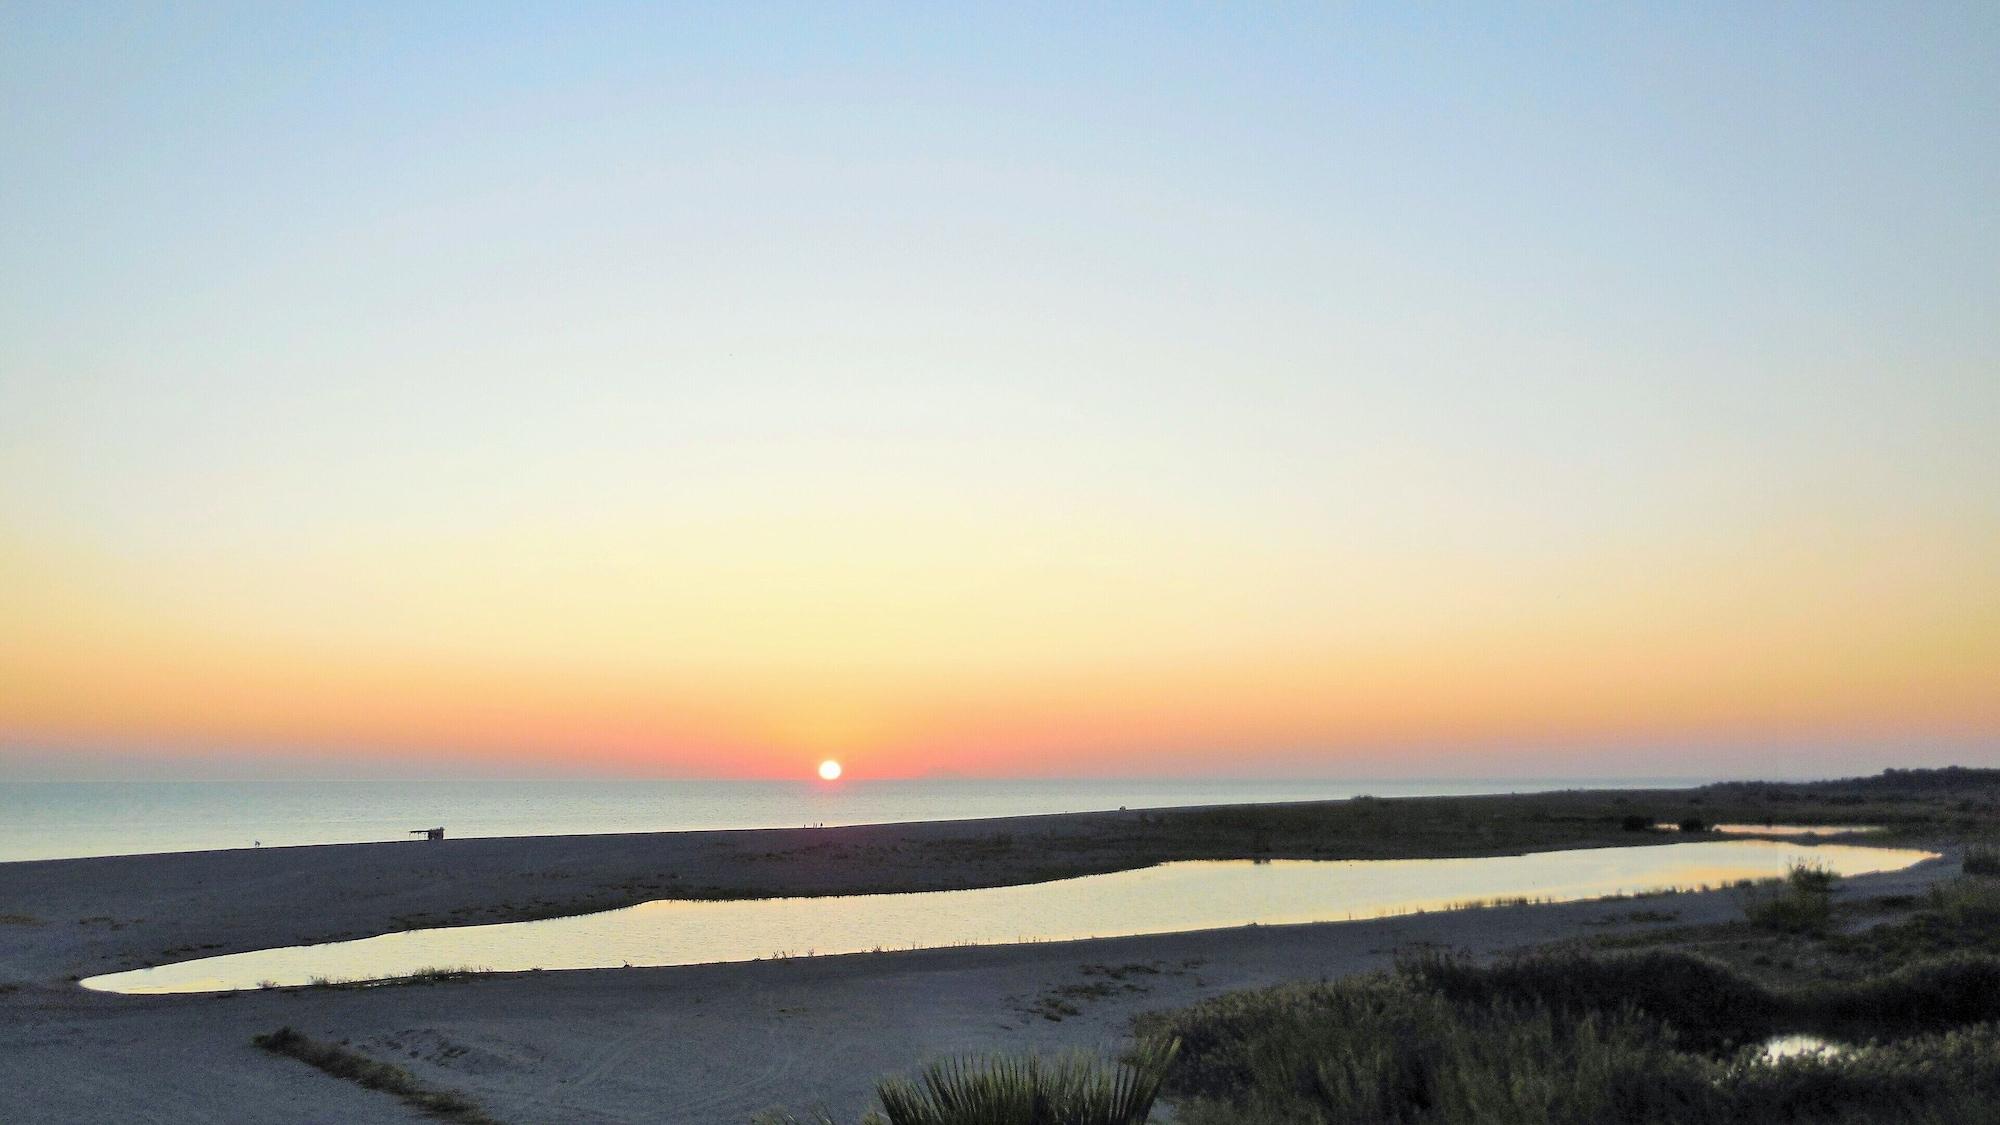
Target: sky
{"points": [[1016, 390]]}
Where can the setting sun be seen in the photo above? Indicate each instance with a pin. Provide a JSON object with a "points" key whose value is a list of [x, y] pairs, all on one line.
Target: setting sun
{"points": [[829, 770]]}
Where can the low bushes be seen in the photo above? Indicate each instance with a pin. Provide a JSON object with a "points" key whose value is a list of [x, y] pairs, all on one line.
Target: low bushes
{"points": [[1965, 902], [1563, 1038], [1981, 859], [1383, 1049], [1958, 915], [1929, 995], [1801, 904], [1571, 1039], [1951, 1078], [1710, 1006]]}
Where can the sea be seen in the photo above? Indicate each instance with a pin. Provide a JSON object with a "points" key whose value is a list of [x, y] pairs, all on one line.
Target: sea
{"points": [[73, 819]]}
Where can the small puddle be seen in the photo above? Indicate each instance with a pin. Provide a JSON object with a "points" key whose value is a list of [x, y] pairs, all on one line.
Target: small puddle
{"points": [[1795, 1046], [1168, 898], [1799, 830], [1794, 829]]}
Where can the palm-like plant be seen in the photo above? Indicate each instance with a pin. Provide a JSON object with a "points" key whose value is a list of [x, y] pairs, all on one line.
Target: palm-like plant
{"points": [[1013, 1090]]}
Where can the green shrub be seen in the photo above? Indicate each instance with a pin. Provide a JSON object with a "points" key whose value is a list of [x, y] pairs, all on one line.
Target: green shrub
{"points": [[1801, 903], [1956, 915], [1973, 902], [1812, 878], [1393, 1048], [1927, 1080], [1931, 995], [1708, 1005], [1562, 1038], [1789, 912], [1981, 859], [1383, 1049]]}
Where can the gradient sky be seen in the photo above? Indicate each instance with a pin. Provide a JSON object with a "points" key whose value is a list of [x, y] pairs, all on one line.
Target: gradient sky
{"points": [[1020, 390]]}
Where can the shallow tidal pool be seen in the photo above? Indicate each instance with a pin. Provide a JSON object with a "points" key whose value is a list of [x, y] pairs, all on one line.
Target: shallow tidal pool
{"points": [[1168, 898]]}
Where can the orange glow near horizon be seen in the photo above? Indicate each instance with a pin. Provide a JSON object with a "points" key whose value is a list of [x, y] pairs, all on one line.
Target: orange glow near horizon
{"points": [[1148, 390], [1020, 683]]}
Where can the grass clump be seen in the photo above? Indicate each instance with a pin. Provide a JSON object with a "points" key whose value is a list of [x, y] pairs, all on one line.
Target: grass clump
{"points": [[1801, 903], [1811, 878], [373, 1074], [1074, 1089], [1965, 902], [1710, 1006], [1981, 859]]}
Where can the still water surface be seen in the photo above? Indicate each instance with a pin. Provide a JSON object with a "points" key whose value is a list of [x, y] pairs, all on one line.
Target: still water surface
{"points": [[1781, 1047], [1168, 898], [1793, 829]]}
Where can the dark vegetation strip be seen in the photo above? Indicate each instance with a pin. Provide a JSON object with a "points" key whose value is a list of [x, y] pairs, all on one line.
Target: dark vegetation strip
{"points": [[447, 1105], [1576, 1039], [1714, 1008], [1981, 859], [1567, 1038]]}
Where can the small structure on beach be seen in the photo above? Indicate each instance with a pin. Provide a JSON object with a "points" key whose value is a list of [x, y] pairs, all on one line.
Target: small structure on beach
{"points": [[428, 833]]}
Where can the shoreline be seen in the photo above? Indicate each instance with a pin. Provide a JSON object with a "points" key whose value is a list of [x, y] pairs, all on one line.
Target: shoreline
{"points": [[789, 928], [844, 801], [88, 916], [718, 1042]]}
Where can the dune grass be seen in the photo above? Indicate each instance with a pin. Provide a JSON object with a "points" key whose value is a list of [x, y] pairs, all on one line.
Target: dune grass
{"points": [[1553, 1038], [1573, 1039], [1069, 1089], [373, 1074], [1711, 1006], [1954, 916], [1031, 1090], [1982, 859], [1800, 903]]}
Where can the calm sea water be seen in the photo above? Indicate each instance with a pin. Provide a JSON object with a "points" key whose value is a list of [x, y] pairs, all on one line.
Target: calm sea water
{"points": [[1169, 898], [58, 820]]}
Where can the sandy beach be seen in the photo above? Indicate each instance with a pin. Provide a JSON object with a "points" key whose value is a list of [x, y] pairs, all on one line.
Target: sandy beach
{"points": [[712, 1043]]}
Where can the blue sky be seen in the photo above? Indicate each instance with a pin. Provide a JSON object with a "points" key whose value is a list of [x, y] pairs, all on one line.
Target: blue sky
{"points": [[1298, 321]]}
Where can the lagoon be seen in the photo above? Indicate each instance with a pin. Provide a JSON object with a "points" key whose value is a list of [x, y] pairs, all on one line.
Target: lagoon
{"points": [[1167, 898]]}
